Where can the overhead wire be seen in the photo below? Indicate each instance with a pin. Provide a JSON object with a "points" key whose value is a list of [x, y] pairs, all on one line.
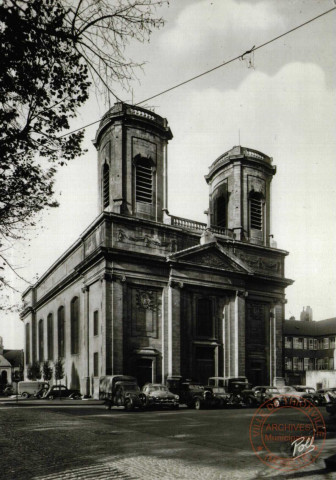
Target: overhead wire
{"points": [[241, 56]]}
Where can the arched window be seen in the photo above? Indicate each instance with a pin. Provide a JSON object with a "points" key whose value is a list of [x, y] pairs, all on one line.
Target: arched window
{"points": [[144, 181], [41, 341], [220, 209], [74, 315], [27, 343], [50, 332], [61, 331], [256, 211], [106, 185]]}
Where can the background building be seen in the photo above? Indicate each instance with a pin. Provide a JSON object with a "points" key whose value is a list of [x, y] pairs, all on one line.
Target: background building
{"points": [[146, 293], [11, 361], [309, 352]]}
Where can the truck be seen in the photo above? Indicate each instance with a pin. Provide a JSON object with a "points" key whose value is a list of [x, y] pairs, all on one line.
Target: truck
{"points": [[30, 388], [120, 391]]}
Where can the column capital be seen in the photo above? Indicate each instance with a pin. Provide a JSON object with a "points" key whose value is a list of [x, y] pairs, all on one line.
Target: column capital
{"points": [[175, 284]]}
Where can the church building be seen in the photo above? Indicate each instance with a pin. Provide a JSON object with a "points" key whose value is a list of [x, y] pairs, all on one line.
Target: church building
{"points": [[153, 295]]}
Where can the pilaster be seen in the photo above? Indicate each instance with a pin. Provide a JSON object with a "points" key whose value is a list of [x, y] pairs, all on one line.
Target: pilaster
{"points": [[174, 326]]}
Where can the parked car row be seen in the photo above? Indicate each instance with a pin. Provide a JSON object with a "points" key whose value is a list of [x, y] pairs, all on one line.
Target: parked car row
{"points": [[220, 392]]}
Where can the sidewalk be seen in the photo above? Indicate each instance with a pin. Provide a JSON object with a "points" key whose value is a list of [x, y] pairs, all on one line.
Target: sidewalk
{"points": [[34, 402]]}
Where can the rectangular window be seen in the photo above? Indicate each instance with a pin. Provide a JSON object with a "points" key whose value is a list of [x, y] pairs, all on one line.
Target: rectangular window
{"points": [[305, 343], [320, 364], [298, 343], [315, 344], [204, 318], [331, 363], [300, 364], [306, 363], [311, 364], [288, 363], [288, 342], [311, 344], [95, 323], [95, 364], [326, 343], [295, 363], [320, 343], [326, 363], [332, 342]]}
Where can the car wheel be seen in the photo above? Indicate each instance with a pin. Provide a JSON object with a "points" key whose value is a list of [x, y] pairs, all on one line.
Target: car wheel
{"points": [[129, 405], [198, 404], [51, 397], [276, 402], [24, 395]]}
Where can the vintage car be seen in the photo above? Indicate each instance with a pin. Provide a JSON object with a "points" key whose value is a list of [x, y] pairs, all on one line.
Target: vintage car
{"points": [[324, 394], [316, 397], [238, 389], [120, 391], [331, 399], [290, 394], [158, 395], [264, 393], [61, 391]]}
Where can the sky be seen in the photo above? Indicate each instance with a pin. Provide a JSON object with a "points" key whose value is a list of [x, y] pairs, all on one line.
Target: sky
{"points": [[280, 101]]}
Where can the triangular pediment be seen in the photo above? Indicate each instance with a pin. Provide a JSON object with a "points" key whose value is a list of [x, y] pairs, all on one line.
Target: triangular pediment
{"points": [[212, 255]]}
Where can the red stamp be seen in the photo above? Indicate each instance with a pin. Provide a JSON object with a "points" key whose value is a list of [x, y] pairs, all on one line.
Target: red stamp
{"points": [[289, 437]]}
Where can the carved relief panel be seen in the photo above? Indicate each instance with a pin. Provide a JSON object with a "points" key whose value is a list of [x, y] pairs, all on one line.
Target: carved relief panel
{"points": [[145, 310]]}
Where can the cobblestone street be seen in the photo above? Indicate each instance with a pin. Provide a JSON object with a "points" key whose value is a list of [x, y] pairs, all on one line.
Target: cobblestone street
{"points": [[74, 442]]}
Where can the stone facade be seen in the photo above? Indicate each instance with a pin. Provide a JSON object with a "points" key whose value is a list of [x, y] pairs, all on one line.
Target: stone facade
{"points": [[146, 293]]}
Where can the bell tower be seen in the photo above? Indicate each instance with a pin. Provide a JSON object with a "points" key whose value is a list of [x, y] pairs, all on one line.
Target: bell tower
{"points": [[240, 194], [132, 162]]}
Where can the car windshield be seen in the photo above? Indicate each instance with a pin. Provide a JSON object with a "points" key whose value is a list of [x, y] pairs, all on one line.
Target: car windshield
{"points": [[130, 387], [272, 390], [192, 386], [158, 388]]}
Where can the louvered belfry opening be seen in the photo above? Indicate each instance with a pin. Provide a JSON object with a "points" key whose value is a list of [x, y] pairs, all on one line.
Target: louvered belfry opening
{"points": [[106, 185], [221, 216], [256, 211], [144, 181]]}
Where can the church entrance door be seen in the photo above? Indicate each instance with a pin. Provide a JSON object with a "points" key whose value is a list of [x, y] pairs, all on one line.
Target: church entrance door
{"points": [[204, 366], [144, 371]]}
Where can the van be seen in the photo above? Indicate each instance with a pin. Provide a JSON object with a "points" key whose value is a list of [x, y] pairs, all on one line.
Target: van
{"points": [[28, 389]]}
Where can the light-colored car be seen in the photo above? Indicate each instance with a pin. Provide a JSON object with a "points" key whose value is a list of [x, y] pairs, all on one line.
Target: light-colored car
{"points": [[295, 395], [158, 395], [30, 388]]}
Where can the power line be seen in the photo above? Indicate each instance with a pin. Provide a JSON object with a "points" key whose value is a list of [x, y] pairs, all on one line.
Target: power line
{"points": [[253, 49]]}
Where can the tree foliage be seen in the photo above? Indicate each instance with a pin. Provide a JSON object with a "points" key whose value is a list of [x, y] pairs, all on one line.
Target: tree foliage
{"points": [[51, 51], [47, 371], [59, 369], [34, 371]]}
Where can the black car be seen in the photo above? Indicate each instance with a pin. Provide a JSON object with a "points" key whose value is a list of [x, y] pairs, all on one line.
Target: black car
{"points": [[264, 393], [61, 391]]}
